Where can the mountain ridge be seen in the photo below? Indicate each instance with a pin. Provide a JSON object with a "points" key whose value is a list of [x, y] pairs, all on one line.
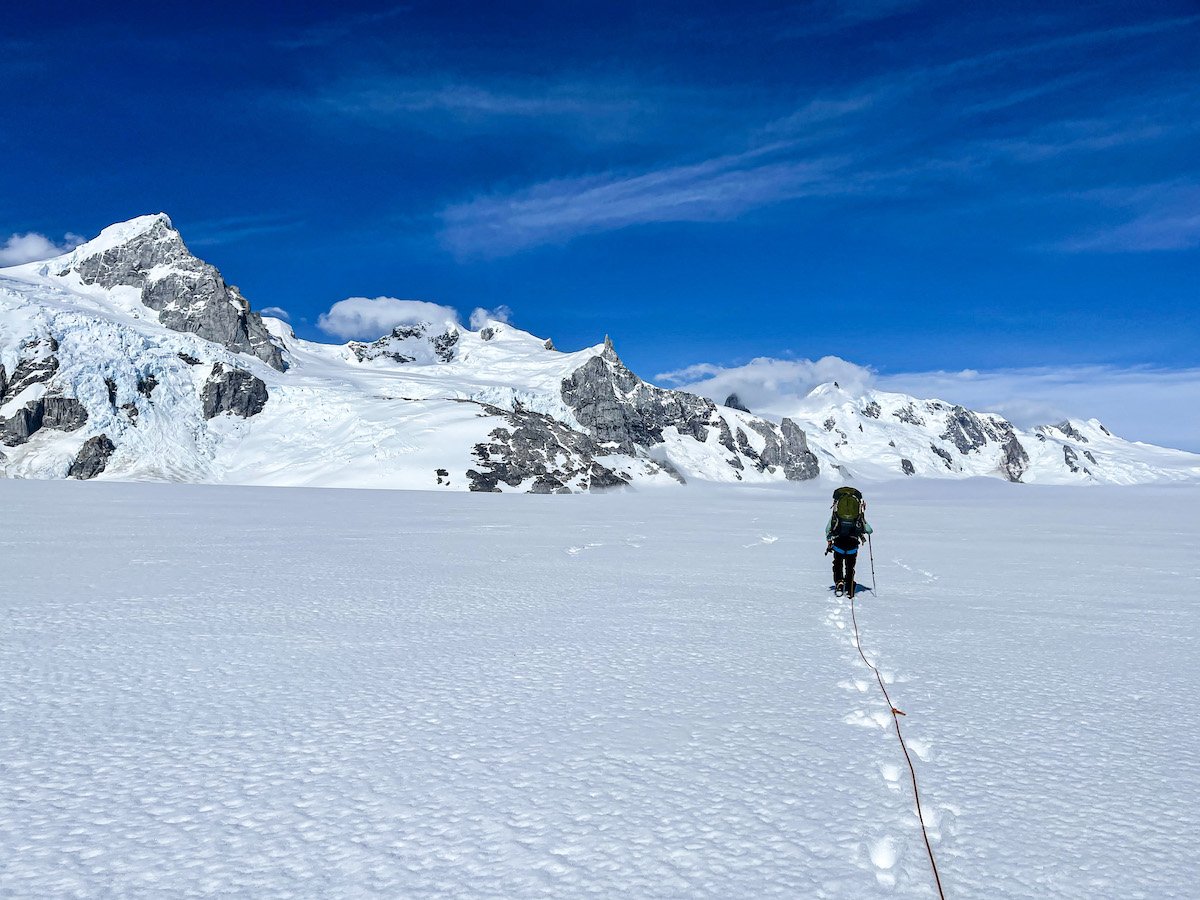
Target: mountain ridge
{"points": [[128, 357]]}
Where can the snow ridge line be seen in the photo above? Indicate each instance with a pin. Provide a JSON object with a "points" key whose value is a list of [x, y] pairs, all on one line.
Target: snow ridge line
{"points": [[912, 770]]}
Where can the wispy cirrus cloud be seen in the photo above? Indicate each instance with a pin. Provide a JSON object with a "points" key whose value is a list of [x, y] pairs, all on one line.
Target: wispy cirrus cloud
{"points": [[1046, 46], [1164, 217], [333, 30], [863, 141], [228, 230], [559, 210], [447, 105]]}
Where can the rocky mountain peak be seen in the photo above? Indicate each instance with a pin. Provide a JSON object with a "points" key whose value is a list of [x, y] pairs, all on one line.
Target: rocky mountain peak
{"points": [[189, 295], [144, 241]]}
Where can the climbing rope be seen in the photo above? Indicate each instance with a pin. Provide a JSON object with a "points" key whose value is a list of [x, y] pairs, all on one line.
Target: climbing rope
{"points": [[896, 714]]}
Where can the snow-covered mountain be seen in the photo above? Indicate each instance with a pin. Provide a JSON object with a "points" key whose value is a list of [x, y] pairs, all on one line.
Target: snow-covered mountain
{"points": [[878, 435], [130, 358]]}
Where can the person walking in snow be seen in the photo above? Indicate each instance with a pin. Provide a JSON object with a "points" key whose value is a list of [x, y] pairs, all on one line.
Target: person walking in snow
{"points": [[844, 533]]}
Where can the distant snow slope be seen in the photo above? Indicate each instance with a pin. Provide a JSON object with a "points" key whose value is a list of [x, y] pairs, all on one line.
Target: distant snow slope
{"points": [[129, 358], [267, 693], [879, 435]]}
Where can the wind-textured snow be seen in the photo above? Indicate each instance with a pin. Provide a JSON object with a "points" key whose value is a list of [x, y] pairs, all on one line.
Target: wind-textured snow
{"points": [[211, 690]]}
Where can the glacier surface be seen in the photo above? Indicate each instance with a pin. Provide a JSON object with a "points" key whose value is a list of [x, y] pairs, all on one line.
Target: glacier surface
{"points": [[213, 690]]}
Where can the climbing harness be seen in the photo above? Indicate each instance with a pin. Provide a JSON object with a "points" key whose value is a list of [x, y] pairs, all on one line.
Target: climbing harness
{"points": [[896, 713]]}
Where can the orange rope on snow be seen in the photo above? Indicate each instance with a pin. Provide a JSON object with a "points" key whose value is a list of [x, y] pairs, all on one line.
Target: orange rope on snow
{"points": [[912, 770]]}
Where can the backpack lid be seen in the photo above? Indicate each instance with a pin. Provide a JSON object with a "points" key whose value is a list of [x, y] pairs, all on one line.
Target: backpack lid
{"points": [[848, 503]]}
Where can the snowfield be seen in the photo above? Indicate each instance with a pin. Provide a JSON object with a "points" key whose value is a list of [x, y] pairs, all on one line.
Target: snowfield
{"points": [[269, 692]]}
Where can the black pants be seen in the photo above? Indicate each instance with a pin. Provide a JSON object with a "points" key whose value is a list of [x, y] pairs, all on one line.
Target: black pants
{"points": [[843, 568]]}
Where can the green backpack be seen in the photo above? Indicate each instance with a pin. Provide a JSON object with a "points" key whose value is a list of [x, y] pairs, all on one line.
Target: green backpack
{"points": [[848, 504]]}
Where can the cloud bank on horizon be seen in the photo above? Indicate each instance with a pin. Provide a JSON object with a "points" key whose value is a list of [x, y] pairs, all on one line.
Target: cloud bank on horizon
{"points": [[1139, 403]]}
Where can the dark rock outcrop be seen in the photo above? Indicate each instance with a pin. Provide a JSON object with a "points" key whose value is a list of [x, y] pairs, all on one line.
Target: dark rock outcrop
{"points": [[909, 415], [872, 410], [964, 430], [188, 294], [36, 365], [618, 408], [443, 345], [799, 463], [733, 401], [538, 447], [21, 425], [907, 467], [725, 439], [92, 457], [63, 413], [411, 343], [1071, 431], [1015, 460], [945, 455], [234, 391], [784, 448], [1071, 458]]}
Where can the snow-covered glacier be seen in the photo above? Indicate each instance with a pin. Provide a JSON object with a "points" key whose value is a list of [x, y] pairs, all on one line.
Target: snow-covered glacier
{"points": [[257, 692]]}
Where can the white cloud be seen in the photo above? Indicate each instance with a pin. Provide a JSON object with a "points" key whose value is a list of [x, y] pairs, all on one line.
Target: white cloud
{"points": [[1143, 403], [480, 316], [277, 311], [774, 387], [365, 318], [32, 247]]}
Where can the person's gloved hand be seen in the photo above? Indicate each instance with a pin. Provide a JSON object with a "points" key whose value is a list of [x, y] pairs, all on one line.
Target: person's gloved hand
{"points": [[828, 547]]}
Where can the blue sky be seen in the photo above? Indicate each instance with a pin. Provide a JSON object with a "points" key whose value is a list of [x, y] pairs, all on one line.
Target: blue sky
{"points": [[918, 187]]}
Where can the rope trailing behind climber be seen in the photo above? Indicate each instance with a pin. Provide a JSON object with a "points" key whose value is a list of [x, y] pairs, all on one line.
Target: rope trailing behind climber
{"points": [[896, 713], [844, 533]]}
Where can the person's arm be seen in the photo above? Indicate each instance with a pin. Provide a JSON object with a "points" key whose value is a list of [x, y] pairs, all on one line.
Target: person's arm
{"points": [[867, 529]]}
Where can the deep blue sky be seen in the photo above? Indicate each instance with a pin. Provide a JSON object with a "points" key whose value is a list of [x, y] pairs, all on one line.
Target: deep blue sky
{"points": [[910, 185]]}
